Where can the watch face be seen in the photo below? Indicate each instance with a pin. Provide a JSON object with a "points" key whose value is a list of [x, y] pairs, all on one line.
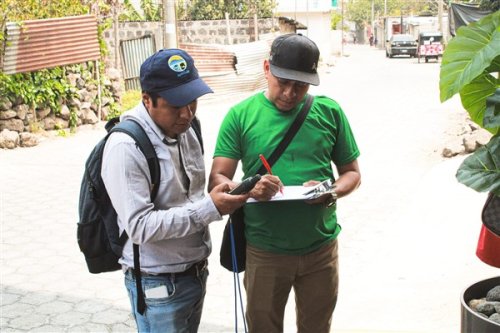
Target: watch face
{"points": [[334, 194]]}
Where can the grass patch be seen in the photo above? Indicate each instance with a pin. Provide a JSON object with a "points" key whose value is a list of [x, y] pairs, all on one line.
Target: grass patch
{"points": [[129, 100]]}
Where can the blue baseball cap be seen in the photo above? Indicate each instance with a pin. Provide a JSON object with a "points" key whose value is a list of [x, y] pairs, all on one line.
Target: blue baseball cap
{"points": [[171, 74]]}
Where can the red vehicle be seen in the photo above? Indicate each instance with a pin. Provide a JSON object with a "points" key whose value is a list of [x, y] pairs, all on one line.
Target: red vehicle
{"points": [[430, 46]]}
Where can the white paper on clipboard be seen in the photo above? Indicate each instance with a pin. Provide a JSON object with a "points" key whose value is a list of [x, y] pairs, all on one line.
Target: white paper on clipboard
{"points": [[301, 192]]}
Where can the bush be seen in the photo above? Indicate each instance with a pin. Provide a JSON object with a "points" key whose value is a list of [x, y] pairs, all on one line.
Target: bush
{"points": [[129, 100]]}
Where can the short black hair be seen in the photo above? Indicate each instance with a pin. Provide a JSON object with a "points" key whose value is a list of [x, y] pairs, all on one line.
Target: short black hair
{"points": [[154, 97]]}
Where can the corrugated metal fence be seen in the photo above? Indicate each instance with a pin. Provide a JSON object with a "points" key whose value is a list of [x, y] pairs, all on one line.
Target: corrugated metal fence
{"points": [[133, 52], [226, 69], [38, 44]]}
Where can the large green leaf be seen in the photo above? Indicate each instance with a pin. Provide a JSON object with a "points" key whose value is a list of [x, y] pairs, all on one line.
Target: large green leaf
{"points": [[481, 170], [474, 95], [495, 65], [468, 54], [491, 118]]}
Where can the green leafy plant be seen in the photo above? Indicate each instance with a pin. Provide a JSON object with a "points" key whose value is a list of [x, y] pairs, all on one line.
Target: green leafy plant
{"points": [[335, 19], [129, 100], [73, 118], [360, 11], [492, 5], [192, 10], [471, 67], [44, 88], [40, 89], [151, 11], [62, 133]]}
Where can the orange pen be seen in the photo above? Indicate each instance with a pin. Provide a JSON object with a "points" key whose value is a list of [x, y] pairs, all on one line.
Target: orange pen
{"points": [[268, 167]]}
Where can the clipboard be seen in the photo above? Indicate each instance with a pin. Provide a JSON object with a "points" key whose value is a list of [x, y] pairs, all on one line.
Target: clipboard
{"points": [[300, 192]]}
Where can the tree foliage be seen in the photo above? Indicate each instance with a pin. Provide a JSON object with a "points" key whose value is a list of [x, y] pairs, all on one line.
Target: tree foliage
{"points": [[151, 11], [360, 11], [193, 10], [492, 5], [21, 10], [335, 19]]}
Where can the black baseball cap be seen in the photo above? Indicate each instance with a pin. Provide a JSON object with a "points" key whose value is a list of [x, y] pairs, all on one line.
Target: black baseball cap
{"points": [[171, 74], [295, 57]]}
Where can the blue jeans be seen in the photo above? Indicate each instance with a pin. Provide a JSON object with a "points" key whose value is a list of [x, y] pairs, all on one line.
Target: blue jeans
{"points": [[173, 303]]}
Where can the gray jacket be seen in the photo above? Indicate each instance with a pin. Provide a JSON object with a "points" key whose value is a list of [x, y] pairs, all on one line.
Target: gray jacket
{"points": [[172, 232]]}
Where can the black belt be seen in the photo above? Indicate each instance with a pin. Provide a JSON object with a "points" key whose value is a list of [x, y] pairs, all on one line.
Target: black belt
{"points": [[194, 270]]}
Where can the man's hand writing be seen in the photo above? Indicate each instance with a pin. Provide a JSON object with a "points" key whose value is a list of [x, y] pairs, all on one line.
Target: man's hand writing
{"points": [[266, 188]]}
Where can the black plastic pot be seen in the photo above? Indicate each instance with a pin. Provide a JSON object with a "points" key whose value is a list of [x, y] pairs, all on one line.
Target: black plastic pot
{"points": [[472, 322]]}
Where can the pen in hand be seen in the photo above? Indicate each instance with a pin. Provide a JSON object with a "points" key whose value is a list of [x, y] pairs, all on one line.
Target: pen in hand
{"points": [[268, 168]]}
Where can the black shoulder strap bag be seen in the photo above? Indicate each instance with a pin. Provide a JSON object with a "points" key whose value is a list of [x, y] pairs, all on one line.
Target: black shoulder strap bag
{"points": [[237, 218]]}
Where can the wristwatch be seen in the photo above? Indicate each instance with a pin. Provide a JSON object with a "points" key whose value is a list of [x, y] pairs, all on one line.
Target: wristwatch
{"points": [[332, 200]]}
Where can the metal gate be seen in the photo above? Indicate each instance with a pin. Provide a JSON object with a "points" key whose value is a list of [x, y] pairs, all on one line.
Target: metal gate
{"points": [[133, 52]]}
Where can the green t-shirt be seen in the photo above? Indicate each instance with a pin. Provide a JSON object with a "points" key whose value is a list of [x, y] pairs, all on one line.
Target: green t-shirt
{"points": [[255, 127]]}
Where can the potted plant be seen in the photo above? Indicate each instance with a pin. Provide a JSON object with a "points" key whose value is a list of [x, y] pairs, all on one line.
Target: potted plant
{"points": [[471, 67]]}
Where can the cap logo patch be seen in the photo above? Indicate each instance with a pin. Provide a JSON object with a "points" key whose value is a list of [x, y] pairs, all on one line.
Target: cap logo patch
{"points": [[177, 63]]}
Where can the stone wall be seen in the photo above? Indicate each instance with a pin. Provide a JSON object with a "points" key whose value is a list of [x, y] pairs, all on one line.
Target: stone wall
{"points": [[199, 32], [22, 125], [215, 31]]}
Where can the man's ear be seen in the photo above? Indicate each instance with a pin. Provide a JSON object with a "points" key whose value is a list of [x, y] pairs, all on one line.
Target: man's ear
{"points": [[267, 68], [266, 65], [146, 99]]}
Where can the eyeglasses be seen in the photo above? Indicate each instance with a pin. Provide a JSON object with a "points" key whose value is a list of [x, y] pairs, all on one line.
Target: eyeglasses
{"points": [[286, 82]]}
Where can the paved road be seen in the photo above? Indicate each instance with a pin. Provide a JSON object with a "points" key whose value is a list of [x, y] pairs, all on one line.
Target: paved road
{"points": [[408, 239]]}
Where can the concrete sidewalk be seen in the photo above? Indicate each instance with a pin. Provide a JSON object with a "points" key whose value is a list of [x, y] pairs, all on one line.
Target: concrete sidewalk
{"points": [[46, 287], [406, 248]]}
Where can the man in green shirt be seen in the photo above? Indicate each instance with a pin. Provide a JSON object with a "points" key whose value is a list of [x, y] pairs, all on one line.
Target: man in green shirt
{"points": [[290, 244]]}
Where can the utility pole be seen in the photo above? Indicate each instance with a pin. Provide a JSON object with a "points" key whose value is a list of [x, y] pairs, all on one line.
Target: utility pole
{"points": [[440, 15], [342, 28], [373, 15], [372, 23], [401, 28], [170, 37]]}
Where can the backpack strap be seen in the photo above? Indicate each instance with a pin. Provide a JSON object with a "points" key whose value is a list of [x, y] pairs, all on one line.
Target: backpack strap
{"points": [[135, 130], [141, 302], [196, 126], [294, 128]]}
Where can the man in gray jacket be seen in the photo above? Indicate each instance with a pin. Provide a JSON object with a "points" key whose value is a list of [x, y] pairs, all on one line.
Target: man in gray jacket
{"points": [[172, 232]]}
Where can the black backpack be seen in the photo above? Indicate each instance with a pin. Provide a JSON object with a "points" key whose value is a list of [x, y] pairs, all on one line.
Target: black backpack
{"points": [[97, 231]]}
